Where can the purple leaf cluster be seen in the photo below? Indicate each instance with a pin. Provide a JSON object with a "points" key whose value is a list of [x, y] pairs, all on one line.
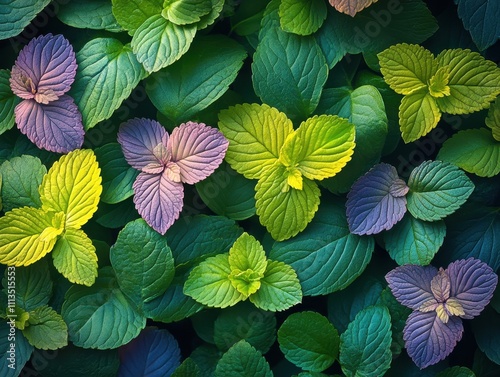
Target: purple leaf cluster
{"points": [[439, 299], [43, 72], [190, 154]]}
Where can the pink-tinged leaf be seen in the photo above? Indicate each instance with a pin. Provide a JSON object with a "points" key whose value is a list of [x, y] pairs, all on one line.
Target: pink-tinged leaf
{"points": [[197, 149], [140, 139], [56, 127], [351, 7], [428, 340], [158, 199], [472, 285], [440, 286], [44, 69], [411, 284], [371, 205]]}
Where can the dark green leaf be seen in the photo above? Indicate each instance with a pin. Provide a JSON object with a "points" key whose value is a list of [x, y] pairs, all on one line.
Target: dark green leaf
{"points": [[15, 15], [8, 102], [242, 360], [480, 18], [93, 14]]}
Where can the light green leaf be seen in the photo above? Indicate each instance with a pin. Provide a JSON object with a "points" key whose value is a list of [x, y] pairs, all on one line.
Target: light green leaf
{"points": [[365, 345], [47, 329], [254, 128], [131, 14], [242, 360], [493, 119], [15, 15], [413, 241], [288, 72], [283, 210], [28, 234], [107, 73], [93, 14], [280, 288], [75, 257], [209, 19], [182, 12], [191, 84], [475, 151], [21, 177], [22, 349], [302, 17], [418, 115], [8, 102], [209, 284], [320, 147], [100, 316], [142, 261], [437, 189], [158, 42], [474, 81], [73, 186], [309, 340], [407, 68], [117, 175], [438, 84]]}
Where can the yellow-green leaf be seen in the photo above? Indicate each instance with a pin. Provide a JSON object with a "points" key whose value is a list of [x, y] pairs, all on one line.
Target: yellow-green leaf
{"points": [[493, 119], [28, 234], [438, 84], [73, 186], [75, 258], [418, 115]]}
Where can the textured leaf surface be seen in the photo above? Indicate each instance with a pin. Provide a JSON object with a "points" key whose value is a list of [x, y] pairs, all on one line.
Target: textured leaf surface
{"points": [[75, 257], [418, 115], [365, 345], [94, 14], [21, 177], [158, 42], [182, 12], [73, 186], [47, 329], [8, 102], [351, 7], [16, 15], [242, 360], [131, 14], [437, 189], [493, 119], [309, 340], [301, 16], [100, 316], [478, 17]]}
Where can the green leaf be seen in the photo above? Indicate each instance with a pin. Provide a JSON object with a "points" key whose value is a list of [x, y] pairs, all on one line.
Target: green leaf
{"points": [[284, 210], [326, 256], [28, 234], [407, 68], [47, 330], [257, 128], [117, 175], [365, 345], [182, 12], [363, 107], [209, 283], [8, 102], [288, 72], [474, 81], [158, 42], [479, 18], [475, 151], [456, 371], [418, 115], [309, 340], [487, 334], [242, 360], [15, 15], [94, 14], [438, 84], [280, 288], [302, 17], [228, 193], [107, 73], [413, 241], [21, 177], [73, 186], [131, 14], [21, 351], [75, 257], [100, 316], [437, 189], [493, 119], [207, 20], [191, 84], [142, 261]]}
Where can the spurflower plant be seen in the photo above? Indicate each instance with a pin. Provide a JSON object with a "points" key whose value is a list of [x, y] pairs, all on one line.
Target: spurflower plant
{"points": [[440, 299]]}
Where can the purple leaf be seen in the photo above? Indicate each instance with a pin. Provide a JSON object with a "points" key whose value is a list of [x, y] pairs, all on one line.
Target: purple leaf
{"points": [[472, 284], [44, 69], [440, 286], [56, 127], [158, 199], [411, 284], [375, 202], [197, 149], [428, 340], [139, 138]]}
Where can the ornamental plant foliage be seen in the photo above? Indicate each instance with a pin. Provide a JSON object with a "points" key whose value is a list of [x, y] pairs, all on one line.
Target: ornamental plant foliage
{"points": [[249, 188]]}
